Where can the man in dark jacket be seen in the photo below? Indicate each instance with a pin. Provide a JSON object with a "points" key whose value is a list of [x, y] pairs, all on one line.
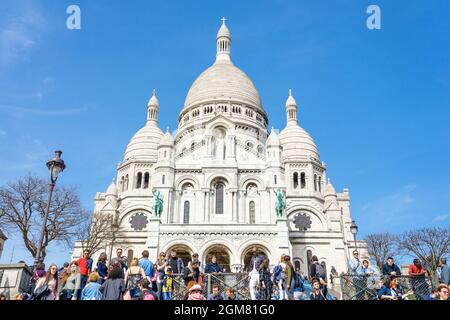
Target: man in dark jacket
{"points": [[176, 263], [212, 267], [390, 268]]}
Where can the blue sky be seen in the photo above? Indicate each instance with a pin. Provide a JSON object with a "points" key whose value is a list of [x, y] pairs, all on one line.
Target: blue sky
{"points": [[377, 102]]}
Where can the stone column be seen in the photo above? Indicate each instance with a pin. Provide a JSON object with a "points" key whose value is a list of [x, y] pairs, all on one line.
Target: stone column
{"points": [[152, 242]]}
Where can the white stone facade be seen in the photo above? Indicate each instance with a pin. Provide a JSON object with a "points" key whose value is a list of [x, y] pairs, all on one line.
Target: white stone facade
{"points": [[217, 174]]}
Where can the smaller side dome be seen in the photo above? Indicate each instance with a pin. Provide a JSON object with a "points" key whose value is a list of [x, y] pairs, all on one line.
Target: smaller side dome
{"points": [[112, 189], [273, 139], [167, 140]]}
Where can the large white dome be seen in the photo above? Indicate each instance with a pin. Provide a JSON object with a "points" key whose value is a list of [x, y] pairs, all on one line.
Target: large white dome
{"points": [[223, 81], [297, 143]]}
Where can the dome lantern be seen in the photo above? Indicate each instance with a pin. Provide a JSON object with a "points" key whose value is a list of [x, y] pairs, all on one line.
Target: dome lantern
{"points": [[291, 108], [223, 44], [152, 108]]}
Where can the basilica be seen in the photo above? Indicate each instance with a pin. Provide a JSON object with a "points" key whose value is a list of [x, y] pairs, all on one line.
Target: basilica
{"points": [[217, 178]]}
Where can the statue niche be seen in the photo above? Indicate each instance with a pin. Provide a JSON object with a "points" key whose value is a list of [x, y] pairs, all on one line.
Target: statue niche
{"points": [[219, 145]]}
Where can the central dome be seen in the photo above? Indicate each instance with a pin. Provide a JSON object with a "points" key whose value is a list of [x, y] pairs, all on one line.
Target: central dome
{"points": [[222, 81]]}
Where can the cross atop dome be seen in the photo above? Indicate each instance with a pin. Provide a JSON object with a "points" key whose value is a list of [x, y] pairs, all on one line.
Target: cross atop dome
{"points": [[223, 43]]}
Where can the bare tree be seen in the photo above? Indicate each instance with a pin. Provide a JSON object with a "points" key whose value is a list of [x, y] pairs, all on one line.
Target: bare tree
{"points": [[380, 247], [97, 231], [22, 208], [428, 244]]}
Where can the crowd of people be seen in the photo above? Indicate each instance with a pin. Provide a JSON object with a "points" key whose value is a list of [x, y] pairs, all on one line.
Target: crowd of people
{"points": [[142, 279], [369, 283]]}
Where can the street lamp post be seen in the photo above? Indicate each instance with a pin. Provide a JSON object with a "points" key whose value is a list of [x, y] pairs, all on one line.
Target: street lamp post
{"points": [[354, 231], [55, 166]]}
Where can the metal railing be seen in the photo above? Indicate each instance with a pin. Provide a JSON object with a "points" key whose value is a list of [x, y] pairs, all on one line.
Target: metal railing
{"points": [[237, 281], [365, 287]]}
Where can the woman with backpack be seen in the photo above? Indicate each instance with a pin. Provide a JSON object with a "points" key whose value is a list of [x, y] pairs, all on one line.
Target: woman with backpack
{"points": [[133, 276], [47, 286]]}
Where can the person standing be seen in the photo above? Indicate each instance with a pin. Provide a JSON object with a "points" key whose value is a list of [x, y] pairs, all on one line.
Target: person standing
{"points": [[372, 279], [85, 267], [358, 278], [254, 265], [212, 266], [194, 258], [192, 275], [176, 263], [445, 272], [390, 268], [277, 276], [265, 281], [167, 284], [417, 275], [133, 276], [161, 264], [114, 286], [92, 289], [147, 265], [47, 287], [119, 262], [102, 268]]}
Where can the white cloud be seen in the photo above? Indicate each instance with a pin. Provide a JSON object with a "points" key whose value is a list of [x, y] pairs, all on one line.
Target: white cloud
{"points": [[19, 33], [441, 218]]}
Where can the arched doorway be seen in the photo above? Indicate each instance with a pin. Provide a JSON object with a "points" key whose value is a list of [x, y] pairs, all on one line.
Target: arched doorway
{"points": [[247, 255], [222, 254], [183, 252]]}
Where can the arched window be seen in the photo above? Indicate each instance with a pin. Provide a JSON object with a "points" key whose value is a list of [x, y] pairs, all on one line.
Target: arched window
{"points": [[186, 212], [126, 182], [315, 182], [297, 264], [320, 184], [139, 180], [295, 180], [251, 207], [219, 198], [192, 147], [275, 179], [165, 153], [163, 180], [146, 180], [303, 180], [122, 183]]}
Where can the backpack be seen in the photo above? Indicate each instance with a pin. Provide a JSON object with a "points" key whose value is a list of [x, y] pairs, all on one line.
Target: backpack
{"points": [[277, 272], [320, 272]]}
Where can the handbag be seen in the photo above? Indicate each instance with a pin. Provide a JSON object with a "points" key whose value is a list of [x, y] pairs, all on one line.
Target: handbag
{"points": [[42, 292]]}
